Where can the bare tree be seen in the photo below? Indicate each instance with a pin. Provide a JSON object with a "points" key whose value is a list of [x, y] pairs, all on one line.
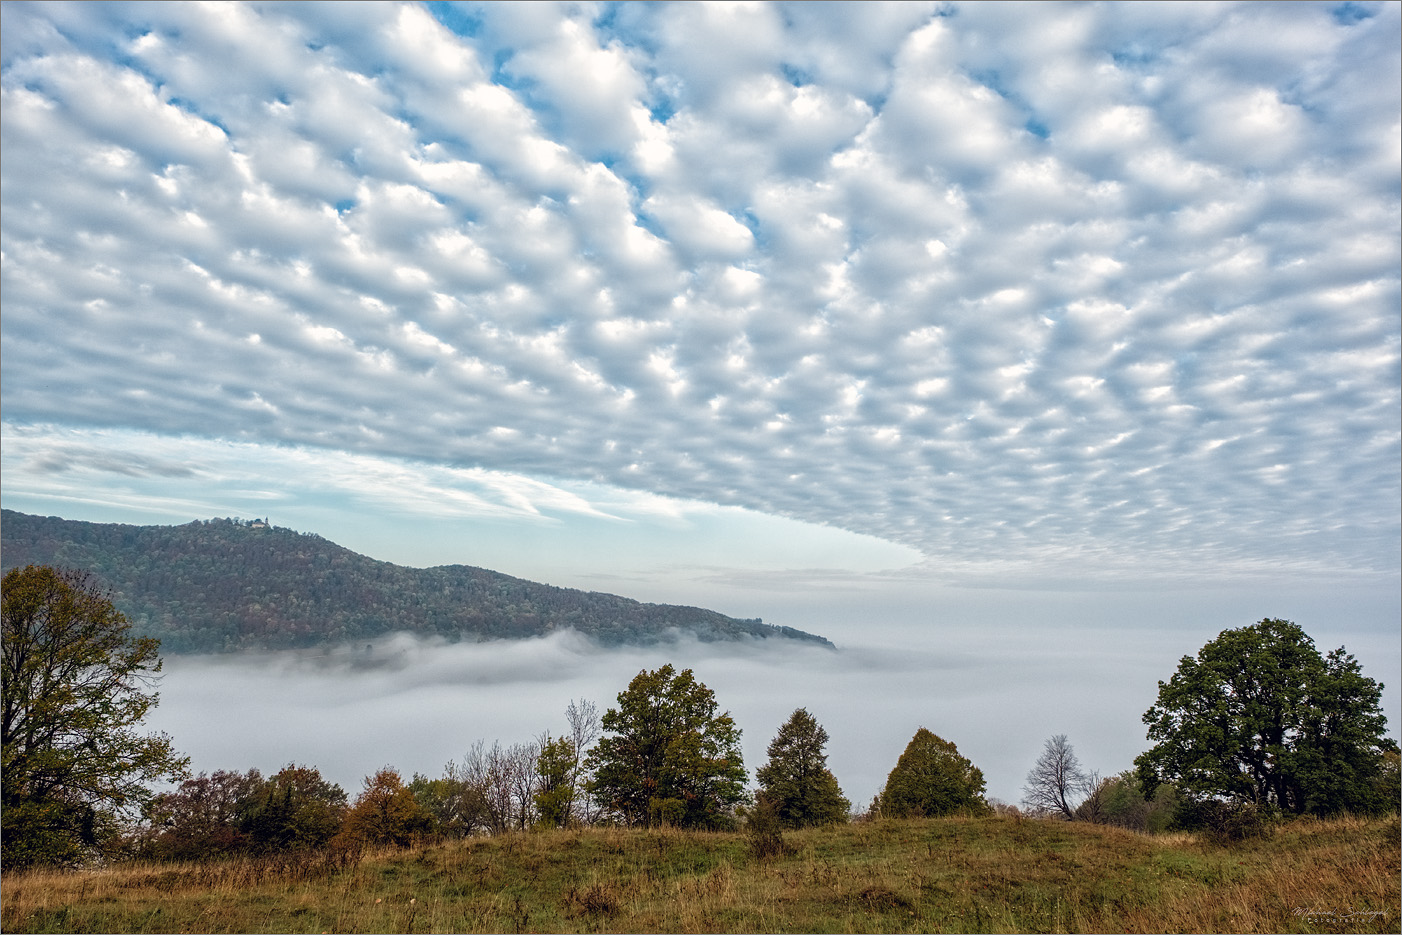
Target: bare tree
{"points": [[1057, 784], [489, 770], [522, 777], [585, 728]]}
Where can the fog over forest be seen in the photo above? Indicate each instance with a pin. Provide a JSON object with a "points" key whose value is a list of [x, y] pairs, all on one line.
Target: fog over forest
{"points": [[997, 695]]}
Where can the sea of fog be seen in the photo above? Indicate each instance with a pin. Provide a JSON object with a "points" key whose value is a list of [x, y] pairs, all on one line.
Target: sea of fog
{"points": [[415, 705], [996, 672]]}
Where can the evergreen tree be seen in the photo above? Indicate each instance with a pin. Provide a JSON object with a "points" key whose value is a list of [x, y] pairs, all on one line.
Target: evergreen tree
{"points": [[796, 779]]}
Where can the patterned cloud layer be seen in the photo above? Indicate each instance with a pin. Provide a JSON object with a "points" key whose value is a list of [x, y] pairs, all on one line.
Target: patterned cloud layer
{"points": [[1035, 283]]}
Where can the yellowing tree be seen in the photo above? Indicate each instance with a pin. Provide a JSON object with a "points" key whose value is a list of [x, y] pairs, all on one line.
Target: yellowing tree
{"points": [[386, 812]]}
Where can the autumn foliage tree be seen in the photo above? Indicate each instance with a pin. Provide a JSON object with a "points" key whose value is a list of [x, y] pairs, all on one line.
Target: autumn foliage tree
{"points": [[201, 818], [76, 684], [385, 813], [796, 780], [667, 757]]}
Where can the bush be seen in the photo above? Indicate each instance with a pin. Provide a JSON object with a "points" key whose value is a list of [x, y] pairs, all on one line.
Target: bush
{"points": [[765, 830], [1119, 801], [1225, 823]]}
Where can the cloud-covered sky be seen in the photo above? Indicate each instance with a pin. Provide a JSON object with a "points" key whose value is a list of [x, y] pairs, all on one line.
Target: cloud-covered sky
{"points": [[1015, 295]]}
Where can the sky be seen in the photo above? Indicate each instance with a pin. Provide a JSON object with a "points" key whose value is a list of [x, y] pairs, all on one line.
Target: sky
{"points": [[1017, 348]]}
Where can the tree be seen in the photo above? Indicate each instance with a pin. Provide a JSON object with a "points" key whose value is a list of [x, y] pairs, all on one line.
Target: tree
{"points": [[200, 819], [522, 760], [1057, 784], [455, 808], [385, 813], [931, 779], [489, 771], [75, 685], [294, 810], [554, 796], [1260, 718], [796, 779], [583, 718], [1387, 787], [668, 756], [1119, 800]]}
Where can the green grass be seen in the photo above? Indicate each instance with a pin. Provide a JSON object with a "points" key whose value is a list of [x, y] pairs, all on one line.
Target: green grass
{"points": [[992, 875]]}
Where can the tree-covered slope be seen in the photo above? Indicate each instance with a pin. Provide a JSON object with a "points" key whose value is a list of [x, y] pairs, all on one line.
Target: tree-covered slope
{"points": [[227, 585]]}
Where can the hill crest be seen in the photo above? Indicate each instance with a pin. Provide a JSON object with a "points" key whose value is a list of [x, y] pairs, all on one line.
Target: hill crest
{"points": [[226, 585]]}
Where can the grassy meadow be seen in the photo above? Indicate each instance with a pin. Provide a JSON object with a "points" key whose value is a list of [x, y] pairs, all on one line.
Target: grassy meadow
{"points": [[941, 875]]}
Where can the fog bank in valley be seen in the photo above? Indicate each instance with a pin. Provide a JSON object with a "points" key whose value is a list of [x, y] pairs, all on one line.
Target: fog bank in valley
{"points": [[996, 692]]}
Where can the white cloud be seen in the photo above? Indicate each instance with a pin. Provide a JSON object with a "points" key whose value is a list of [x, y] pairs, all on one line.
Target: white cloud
{"points": [[978, 279]]}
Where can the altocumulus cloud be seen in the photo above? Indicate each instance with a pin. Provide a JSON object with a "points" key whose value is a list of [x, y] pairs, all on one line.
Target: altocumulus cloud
{"points": [[1036, 283]]}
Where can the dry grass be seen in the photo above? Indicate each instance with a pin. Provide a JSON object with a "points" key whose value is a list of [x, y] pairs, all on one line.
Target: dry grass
{"points": [[992, 875]]}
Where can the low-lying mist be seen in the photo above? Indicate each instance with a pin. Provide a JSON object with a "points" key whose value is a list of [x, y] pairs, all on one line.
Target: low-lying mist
{"points": [[415, 704]]}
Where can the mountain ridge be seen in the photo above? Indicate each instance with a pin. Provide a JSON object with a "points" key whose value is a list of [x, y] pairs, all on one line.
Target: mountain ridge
{"points": [[227, 585]]}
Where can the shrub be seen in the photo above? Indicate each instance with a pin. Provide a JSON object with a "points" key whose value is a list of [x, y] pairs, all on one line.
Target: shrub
{"points": [[765, 830]]}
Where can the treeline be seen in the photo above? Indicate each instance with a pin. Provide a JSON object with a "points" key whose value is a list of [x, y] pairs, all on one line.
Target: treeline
{"points": [[664, 756], [1258, 727], [230, 585], [679, 765]]}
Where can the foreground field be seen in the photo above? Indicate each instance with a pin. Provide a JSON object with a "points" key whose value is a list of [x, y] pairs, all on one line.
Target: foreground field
{"points": [[947, 875]]}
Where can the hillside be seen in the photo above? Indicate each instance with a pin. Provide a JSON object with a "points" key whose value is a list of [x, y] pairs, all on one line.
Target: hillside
{"points": [[927, 875], [228, 585]]}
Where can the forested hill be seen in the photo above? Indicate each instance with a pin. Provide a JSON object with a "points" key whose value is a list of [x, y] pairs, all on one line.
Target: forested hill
{"points": [[229, 585]]}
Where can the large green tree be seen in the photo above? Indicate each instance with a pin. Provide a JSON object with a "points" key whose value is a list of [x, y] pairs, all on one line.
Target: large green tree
{"points": [[796, 780], [1261, 717], [931, 779], [667, 756], [75, 686]]}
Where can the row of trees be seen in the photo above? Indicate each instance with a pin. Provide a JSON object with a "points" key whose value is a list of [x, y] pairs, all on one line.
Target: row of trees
{"points": [[1259, 717], [670, 758]]}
